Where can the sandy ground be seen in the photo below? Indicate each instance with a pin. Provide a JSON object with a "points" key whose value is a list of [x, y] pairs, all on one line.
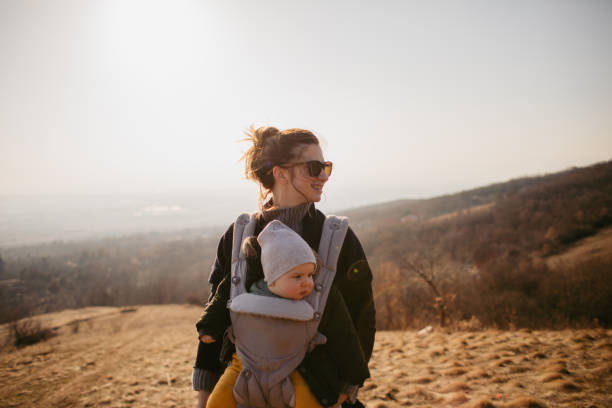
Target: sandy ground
{"points": [[142, 358]]}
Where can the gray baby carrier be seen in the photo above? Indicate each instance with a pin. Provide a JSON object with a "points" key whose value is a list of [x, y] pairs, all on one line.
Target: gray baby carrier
{"points": [[272, 334]]}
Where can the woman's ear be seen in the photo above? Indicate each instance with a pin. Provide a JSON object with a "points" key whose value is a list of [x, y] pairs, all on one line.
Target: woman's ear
{"points": [[280, 175]]}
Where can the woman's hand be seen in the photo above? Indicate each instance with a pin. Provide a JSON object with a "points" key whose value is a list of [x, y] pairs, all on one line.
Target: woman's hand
{"points": [[341, 399], [206, 339], [203, 397]]}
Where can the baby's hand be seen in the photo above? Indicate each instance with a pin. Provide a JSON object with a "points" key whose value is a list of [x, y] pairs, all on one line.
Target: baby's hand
{"points": [[206, 339]]}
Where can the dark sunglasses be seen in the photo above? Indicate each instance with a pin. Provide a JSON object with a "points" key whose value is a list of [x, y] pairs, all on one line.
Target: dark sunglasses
{"points": [[314, 167]]}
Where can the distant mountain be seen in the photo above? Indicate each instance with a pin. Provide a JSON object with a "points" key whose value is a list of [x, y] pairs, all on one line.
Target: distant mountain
{"points": [[26, 220]]}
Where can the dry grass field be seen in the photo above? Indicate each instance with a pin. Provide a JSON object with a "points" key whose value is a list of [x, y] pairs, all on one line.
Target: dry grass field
{"points": [[142, 357]]}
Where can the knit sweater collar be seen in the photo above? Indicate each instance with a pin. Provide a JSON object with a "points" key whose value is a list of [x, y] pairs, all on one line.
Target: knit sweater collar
{"points": [[290, 216]]}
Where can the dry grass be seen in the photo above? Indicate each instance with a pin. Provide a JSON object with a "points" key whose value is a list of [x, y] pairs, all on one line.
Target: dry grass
{"points": [[596, 246], [468, 211], [144, 359], [115, 359]]}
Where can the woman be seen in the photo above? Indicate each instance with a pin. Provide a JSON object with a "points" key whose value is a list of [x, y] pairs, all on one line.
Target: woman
{"points": [[289, 166]]}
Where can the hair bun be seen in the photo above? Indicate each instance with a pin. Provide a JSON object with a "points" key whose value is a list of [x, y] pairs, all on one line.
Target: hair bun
{"points": [[264, 133]]}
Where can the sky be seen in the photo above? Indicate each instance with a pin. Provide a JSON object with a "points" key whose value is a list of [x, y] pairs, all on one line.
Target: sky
{"points": [[410, 99]]}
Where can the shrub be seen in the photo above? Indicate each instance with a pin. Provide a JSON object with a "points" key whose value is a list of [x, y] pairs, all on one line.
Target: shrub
{"points": [[469, 325], [25, 332]]}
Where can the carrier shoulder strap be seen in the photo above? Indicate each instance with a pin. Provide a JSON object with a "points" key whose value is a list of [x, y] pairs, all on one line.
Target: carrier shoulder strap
{"points": [[332, 238], [243, 228]]}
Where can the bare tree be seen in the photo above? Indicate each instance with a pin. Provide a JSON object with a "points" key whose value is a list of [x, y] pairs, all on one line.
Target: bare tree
{"points": [[427, 269]]}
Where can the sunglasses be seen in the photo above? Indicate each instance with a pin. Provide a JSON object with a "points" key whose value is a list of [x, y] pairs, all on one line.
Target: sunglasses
{"points": [[314, 167]]}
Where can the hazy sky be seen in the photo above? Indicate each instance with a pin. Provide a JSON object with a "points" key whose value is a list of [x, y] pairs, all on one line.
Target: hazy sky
{"points": [[411, 99]]}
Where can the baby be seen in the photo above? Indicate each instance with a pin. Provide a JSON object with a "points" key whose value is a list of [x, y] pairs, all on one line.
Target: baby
{"points": [[288, 263], [274, 326]]}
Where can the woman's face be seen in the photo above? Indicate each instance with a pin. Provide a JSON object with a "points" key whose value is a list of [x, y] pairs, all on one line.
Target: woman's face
{"points": [[310, 187]]}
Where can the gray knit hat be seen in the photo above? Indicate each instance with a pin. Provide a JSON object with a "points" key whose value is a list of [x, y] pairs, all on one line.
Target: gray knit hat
{"points": [[282, 249]]}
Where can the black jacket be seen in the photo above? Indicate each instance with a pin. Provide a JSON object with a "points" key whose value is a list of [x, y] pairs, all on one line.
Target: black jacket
{"points": [[353, 280]]}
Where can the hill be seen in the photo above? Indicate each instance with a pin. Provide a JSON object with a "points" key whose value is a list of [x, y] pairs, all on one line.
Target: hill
{"points": [[575, 203], [496, 253], [142, 357]]}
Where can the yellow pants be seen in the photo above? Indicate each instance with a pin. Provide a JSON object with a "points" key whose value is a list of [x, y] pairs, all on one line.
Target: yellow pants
{"points": [[223, 394]]}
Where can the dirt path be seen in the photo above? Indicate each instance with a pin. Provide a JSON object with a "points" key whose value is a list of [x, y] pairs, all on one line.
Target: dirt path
{"points": [[140, 358], [143, 358]]}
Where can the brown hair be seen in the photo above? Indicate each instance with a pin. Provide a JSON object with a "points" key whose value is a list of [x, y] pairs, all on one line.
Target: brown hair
{"points": [[270, 148]]}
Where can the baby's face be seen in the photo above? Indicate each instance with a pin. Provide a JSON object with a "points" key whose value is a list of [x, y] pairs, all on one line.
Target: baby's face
{"points": [[295, 284]]}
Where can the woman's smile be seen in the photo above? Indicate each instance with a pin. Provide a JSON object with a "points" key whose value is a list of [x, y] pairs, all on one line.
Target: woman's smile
{"points": [[317, 187]]}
